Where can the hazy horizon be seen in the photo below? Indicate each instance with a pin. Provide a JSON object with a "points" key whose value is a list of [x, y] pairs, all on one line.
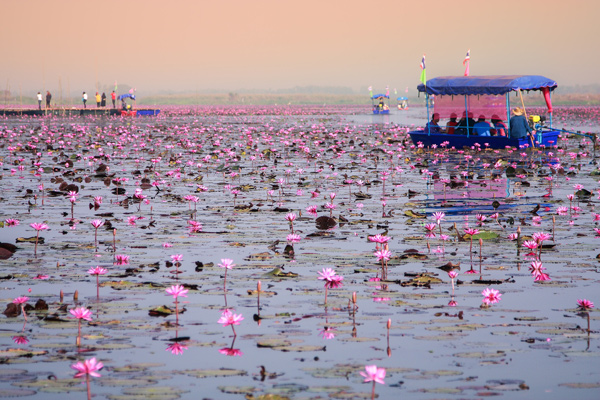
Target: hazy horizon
{"points": [[267, 45]]}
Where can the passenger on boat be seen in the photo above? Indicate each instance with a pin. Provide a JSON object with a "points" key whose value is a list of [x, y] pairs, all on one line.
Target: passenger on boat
{"points": [[461, 128], [519, 127], [432, 126], [500, 128], [451, 124], [482, 127], [381, 104]]}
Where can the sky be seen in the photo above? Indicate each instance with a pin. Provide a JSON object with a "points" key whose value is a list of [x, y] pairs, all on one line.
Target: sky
{"points": [[196, 46]]}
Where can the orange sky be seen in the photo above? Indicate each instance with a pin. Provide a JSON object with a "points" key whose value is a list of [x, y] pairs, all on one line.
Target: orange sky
{"points": [[199, 45]]}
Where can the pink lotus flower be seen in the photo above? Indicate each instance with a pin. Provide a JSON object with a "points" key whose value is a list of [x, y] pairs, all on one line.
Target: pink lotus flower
{"points": [[88, 368], [81, 313], [452, 274], [226, 263], [21, 300], [97, 271], [471, 231], [491, 296], [228, 318], [378, 238], [373, 374], [585, 304], [383, 255], [38, 226], [97, 223], [291, 217], [530, 244], [177, 291], [438, 216], [11, 222]]}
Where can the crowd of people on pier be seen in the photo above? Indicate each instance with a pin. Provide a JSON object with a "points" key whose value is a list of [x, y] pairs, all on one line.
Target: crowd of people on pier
{"points": [[100, 99]]}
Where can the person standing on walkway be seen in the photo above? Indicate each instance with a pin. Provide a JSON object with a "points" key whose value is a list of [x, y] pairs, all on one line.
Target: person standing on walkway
{"points": [[103, 100], [39, 97], [84, 98], [113, 97], [98, 99], [48, 99]]}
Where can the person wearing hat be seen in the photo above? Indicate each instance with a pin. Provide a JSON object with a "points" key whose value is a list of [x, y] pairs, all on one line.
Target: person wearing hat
{"points": [[519, 127], [482, 127]]}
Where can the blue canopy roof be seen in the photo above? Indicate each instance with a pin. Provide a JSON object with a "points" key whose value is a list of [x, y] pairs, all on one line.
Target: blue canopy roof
{"points": [[127, 96], [376, 96], [402, 98], [492, 84]]}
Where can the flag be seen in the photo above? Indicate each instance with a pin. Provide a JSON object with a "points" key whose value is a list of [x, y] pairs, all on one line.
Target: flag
{"points": [[371, 91], [423, 73], [116, 86], [395, 91], [466, 62], [387, 91]]}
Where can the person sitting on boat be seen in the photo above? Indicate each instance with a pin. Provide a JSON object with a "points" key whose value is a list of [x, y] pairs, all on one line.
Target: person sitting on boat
{"points": [[432, 126], [381, 103], [500, 128], [519, 127], [465, 125], [482, 127], [451, 124]]}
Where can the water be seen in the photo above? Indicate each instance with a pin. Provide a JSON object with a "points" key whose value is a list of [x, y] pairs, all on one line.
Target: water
{"points": [[531, 344]]}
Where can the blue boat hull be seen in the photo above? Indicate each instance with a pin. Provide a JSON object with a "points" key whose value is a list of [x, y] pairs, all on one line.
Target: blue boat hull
{"points": [[546, 139], [381, 111]]}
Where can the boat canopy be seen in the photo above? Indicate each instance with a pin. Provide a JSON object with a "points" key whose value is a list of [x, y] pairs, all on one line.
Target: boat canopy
{"points": [[376, 96], [402, 98], [482, 85], [127, 96]]}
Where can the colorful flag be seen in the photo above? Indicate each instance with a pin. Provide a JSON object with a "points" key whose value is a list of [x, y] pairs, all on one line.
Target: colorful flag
{"points": [[116, 86], [387, 91], [371, 91], [466, 62], [423, 73]]}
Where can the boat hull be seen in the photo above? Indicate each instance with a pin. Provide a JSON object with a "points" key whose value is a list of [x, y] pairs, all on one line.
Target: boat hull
{"points": [[545, 139]]}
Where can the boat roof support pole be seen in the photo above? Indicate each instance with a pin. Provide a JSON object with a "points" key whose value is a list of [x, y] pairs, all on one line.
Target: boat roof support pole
{"points": [[427, 104], [508, 114], [467, 114], [550, 112]]}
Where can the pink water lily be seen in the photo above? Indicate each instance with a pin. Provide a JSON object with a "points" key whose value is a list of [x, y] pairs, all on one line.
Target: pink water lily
{"points": [[491, 296], [375, 375]]}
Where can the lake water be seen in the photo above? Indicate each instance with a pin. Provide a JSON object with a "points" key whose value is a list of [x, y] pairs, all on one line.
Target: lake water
{"points": [[533, 343]]}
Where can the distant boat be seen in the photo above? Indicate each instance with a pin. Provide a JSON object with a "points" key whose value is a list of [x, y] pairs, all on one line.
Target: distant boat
{"points": [[488, 97], [381, 103]]}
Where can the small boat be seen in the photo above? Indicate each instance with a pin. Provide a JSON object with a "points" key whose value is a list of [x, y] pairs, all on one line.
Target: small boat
{"points": [[489, 98], [402, 103], [380, 103]]}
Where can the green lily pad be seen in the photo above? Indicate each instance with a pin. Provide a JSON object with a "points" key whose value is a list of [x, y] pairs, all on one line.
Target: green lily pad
{"points": [[212, 373]]}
